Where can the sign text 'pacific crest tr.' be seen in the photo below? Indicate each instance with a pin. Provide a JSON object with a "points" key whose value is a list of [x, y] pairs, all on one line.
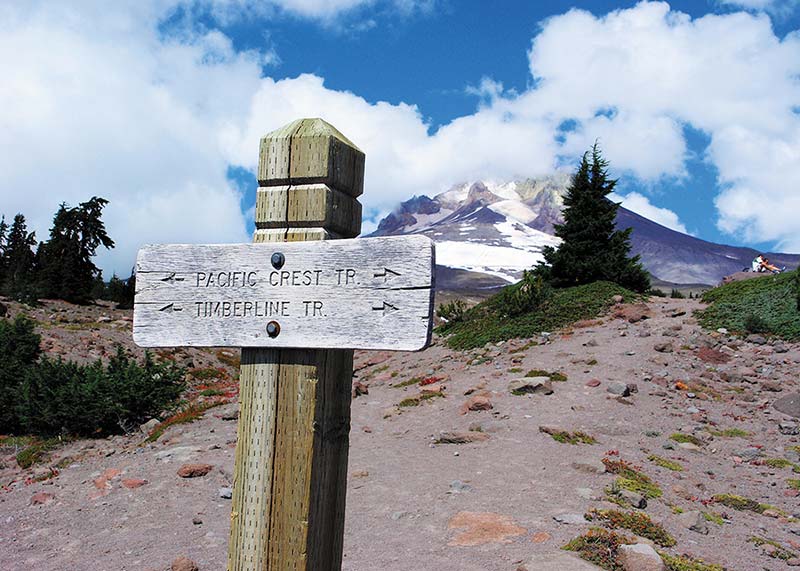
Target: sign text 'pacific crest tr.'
{"points": [[298, 301]]}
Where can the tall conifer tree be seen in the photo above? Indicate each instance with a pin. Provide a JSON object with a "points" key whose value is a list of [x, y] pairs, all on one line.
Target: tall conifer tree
{"points": [[592, 248], [19, 275]]}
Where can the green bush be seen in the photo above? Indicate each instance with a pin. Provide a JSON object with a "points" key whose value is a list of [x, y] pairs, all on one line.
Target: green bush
{"points": [[452, 311], [489, 321], [656, 293], [523, 297], [50, 397], [769, 303], [676, 294]]}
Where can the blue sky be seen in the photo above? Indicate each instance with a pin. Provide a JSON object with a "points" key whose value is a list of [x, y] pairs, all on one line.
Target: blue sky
{"points": [[158, 105]]}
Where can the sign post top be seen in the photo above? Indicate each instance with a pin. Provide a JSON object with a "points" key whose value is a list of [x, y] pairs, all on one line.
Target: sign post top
{"points": [[308, 151]]}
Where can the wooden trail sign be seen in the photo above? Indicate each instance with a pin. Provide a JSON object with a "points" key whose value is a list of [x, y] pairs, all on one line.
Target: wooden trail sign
{"points": [[374, 293], [297, 303]]}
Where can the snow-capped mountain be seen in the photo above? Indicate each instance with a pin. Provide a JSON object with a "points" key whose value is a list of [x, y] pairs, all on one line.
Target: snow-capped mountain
{"points": [[494, 231]]}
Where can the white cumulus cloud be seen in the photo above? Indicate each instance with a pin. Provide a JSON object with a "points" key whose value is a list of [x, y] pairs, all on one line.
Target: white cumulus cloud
{"points": [[640, 204], [97, 99]]}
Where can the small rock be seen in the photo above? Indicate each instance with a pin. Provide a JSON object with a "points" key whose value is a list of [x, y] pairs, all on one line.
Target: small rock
{"points": [[359, 389], [531, 385], [790, 404], [640, 557], [691, 446], [756, 339], [771, 386], [593, 383], [664, 347], [194, 470], [789, 428], [133, 483], [570, 519], [148, 426], [225, 493], [633, 499], [457, 487], [694, 521], [619, 389], [184, 564], [197, 521], [42, 498], [476, 403]]}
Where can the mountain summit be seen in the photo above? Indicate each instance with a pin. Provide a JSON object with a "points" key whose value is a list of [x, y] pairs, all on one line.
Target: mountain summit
{"points": [[494, 231]]}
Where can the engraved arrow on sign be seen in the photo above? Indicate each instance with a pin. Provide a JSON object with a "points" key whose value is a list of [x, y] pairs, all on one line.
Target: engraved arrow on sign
{"points": [[171, 307], [385, 274], [171, 278], [385, 308]]}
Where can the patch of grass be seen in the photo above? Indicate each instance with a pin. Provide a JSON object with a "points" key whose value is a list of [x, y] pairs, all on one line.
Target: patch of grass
{"points": [[408, 382], [566, 437], [742, 504], [731, 433], [555, 377], [632, 479], [515, 370], [781, 463], [768, 303], [188, 414], [489, 321], [211, 392], [599, 546], [207, 373], [683, 563], [793, 483], [416, 400], [665, 463], [714, 517], [680, 437], [36, 452], [779, 551], [637, 522]]}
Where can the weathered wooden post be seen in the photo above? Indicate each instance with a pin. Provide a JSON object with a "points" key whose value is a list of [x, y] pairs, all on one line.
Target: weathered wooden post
{"points": [[291, 455], [298, 286]]}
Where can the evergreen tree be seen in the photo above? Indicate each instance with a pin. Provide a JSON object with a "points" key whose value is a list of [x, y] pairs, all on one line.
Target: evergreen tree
{"points": [[19, 278], [3, 236], [65, 261], [592, 249]]}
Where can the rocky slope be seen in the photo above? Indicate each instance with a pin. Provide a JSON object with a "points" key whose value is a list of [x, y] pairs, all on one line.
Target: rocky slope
{"points": [[505, 499], [499, 230]]}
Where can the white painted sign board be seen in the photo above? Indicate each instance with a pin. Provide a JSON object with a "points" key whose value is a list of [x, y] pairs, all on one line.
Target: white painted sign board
{"points": [[371, 293]]}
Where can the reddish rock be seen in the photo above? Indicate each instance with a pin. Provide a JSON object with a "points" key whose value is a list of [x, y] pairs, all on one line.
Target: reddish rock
{"points": [[184, 564], [42, 498], [359, 389], [475, 403], [132, 483], [712, 356], [632, 313], [194, 470], [541, 537], [481, 528], [592, 383]]}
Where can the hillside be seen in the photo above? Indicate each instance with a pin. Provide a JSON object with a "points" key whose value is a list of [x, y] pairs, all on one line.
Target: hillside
{"points": [[701, 414], [498, 230]]}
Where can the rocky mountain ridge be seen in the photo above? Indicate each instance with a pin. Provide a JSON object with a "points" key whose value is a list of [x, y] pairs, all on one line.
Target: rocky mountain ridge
{"points": [[499, 230]]}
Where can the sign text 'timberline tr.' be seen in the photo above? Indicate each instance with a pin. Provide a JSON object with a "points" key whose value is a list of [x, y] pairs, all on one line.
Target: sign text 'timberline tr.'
{"points": [[373, 293]]}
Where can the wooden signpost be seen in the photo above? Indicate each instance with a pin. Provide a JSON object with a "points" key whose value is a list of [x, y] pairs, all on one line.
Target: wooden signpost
{"points": [[298, 304]]}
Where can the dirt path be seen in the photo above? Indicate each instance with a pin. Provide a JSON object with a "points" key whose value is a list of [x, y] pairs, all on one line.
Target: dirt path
{"points": [[486, 505]]}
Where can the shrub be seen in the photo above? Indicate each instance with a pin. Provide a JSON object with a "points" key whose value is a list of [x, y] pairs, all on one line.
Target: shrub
{"points": [[638, 523], [453, 311], [656, 293], [523, 297], [755, 324], [61, 397], [676, 294], [49, 397], [599, 546]]}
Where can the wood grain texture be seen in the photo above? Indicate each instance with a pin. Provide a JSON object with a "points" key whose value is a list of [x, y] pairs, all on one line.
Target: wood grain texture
{"points": [[309, 151], [373, 293], [290, 476], [313, 205]]}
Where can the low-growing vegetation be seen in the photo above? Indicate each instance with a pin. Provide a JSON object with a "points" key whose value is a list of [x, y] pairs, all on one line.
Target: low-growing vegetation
{"points": [[189, 414], [636, 522], [730, 433], [600, 546], [683, 563], [777, 550], [566, 437], [682, 438], [493, 320], [50, 397], [632, 479], [665, 463], [767, 305], [742, 504], [555, 377]]}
